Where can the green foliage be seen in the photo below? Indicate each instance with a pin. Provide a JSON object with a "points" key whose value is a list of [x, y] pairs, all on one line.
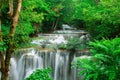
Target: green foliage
{"points": [[74, 44], [5, 30], [2, 46], [31, 10], [40, 74], [62, 46], [104, 62], [60, 11], [31, 16], [102, 18], [22, 36], [80, 7], [3, 3], [68, 11]]}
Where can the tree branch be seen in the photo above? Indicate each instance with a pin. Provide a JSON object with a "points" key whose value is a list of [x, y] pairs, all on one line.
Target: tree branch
{"points": [[10, 8], [15, 18], [11, 35]]}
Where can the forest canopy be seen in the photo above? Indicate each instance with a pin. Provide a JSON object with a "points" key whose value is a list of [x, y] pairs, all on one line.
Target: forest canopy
{"points": [[100, 17]]}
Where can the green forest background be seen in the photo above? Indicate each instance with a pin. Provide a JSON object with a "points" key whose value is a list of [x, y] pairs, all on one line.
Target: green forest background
{"points": [[101, 18]]}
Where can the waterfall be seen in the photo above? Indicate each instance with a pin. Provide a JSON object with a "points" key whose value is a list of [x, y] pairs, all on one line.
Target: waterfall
{"points": [[25, 63], [61, 66], [22, 66], [13, 70], [28, 60]]}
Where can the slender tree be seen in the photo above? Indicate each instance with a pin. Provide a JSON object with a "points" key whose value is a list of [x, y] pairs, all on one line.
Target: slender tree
{"points": [[14, 11]]}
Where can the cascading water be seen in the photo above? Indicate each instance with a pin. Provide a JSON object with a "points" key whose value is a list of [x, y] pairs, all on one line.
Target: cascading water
{"points": [[61, 66], [28, 60], [22, 66]]}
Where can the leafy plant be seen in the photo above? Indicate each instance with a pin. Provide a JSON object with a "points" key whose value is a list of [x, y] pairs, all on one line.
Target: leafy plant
{"points": [[40, 74], [22, 35], [76, 44], [104, 62], [101, 18], [62, 46], [2, 47]]}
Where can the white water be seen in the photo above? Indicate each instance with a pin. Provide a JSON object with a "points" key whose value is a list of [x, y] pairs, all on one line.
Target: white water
{"points": [[24, 64], [13, 70], [61, 66], [28, 60]]}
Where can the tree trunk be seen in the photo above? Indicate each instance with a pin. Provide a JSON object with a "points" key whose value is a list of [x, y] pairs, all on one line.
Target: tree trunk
{"points": [[0, 28], [10, 7], [2, 69], [10, 49], [2, 60], [55, 23]]}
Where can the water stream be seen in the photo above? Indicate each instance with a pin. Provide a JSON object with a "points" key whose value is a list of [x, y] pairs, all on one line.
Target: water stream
{"points": [[25, 61], [23, 64]]}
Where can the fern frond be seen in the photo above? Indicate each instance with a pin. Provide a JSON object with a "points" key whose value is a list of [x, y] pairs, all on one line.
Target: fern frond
{"points": [[101, 57], [116, 52]]}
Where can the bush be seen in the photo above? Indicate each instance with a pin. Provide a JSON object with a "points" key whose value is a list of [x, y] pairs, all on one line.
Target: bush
{"points": [[76, 44], [40, 74], [104, 64], [22, 35], [62, 46]]}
